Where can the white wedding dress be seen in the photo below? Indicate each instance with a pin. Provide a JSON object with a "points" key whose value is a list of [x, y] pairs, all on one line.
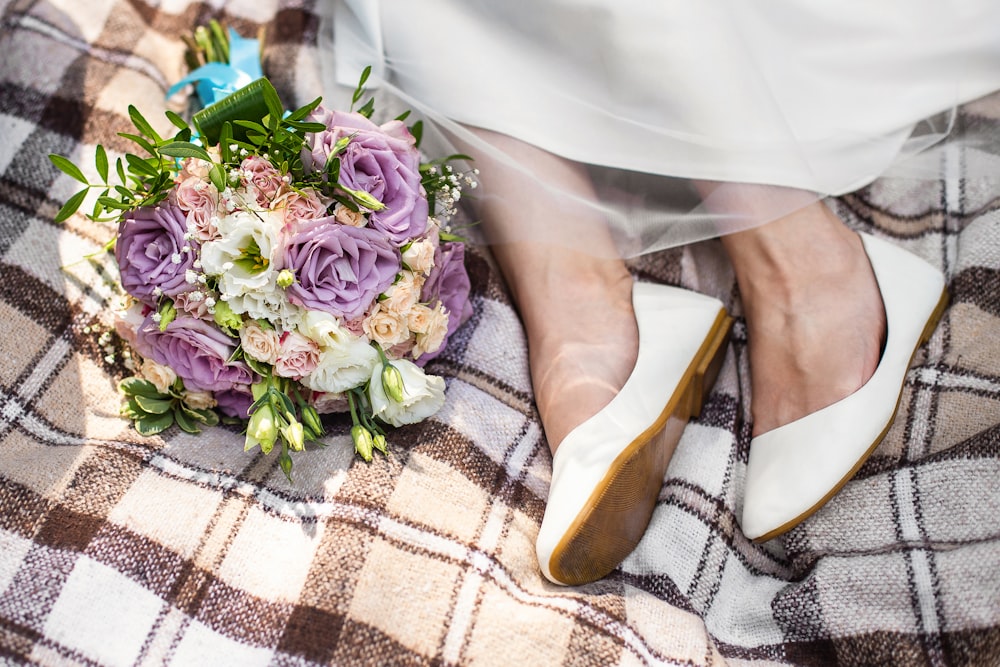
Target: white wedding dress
{"points": [[805, 94]]}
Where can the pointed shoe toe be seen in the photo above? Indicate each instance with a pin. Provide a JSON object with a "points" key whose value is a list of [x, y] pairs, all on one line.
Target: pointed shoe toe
{"points": [[795, 469], [607, 473]]}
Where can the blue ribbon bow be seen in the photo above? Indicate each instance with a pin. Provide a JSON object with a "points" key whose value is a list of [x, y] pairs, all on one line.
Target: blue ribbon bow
{"points": [[215, 81]]}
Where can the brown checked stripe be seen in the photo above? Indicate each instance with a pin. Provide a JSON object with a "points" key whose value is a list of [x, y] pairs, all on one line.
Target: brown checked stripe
{"points": [[119, 550]]}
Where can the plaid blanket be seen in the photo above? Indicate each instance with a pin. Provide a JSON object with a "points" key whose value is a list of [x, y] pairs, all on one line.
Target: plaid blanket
{"points": [[121, 550]]}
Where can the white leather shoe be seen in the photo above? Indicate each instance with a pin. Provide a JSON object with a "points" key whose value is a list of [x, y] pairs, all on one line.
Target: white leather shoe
{"points": [[607, 473], [795, 469]]}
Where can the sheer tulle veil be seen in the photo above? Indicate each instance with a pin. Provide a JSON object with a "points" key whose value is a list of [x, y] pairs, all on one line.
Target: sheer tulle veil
{"points": [[776, 104]]}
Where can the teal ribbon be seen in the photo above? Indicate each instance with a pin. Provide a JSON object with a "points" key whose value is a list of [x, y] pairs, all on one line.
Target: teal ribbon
{"points": [[215, 81]]}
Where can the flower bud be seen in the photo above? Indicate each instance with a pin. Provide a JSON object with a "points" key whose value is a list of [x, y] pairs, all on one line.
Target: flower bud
{"points": [[363, 442], [379, 443], [285, 278], [392, 382], [167, 314], [225, 317], [312, 422], [294, 435], [261, 429]]}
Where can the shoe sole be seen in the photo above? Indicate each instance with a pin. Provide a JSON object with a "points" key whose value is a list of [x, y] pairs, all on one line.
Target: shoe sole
{"points": [[925, 336], [616, 515]]}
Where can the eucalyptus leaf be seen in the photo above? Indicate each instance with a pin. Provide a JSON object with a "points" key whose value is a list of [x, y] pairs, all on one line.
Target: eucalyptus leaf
{"points": [[185, 149], [142, 124], [65, 166], [101, 162], [71, 206]]}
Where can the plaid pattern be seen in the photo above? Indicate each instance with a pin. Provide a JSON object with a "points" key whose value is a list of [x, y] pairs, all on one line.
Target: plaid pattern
{"points": [[119, 550]]}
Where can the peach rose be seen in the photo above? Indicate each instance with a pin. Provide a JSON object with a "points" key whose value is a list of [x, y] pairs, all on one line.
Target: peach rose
{"points": [[259, 343]]}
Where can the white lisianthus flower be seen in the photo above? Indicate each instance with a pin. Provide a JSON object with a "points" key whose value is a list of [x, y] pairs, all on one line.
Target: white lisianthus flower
{"points": [[423, 395], [324, 329], [269, 302], [342, 367], [420, 256], [243, 257], [259, 343]]}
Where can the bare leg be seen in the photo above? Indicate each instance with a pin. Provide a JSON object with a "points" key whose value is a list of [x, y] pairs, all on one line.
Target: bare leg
{"points": [[814, 314], [574, 301]]}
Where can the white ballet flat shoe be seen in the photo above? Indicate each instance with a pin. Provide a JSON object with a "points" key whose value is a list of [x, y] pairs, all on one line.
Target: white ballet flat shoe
{"points": [[607, 473], [795, 469]]}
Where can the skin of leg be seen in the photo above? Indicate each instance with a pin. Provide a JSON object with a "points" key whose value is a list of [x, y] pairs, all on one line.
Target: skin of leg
{"points": [[571, 287], [814, 314]]}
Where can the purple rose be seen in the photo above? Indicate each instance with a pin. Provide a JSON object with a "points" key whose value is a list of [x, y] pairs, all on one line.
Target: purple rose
{"points": [[235, 402], [382, 161], [196, 350], [150, 251], [339, 269], [448, 283]]}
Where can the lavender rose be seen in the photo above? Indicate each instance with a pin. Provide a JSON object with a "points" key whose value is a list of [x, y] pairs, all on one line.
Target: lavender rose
{"points": [[339, 269], [448, 283], [196, 350], [235, 402], [382, 161], [152, 253]]}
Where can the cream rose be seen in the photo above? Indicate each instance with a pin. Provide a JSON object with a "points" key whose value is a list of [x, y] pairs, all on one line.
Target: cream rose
{"points": [[199, 400], [420, 256], [259, 343], [433, 336], [346, 216], [386, 327], [162, 377], [404, 293]]}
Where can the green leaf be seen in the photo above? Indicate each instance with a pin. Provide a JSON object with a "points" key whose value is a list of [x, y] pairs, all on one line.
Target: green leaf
{"points": [[132, 410], [154, 406], [303, 126], [142, 124], [148, 426], [360, 90], [120, 168], [101, 162], [183, 149], [71, 205], [177, 121], [368, 108], [185, 422], [221, 41], [207, 417], [113, 204], [139, 166], [273, 102], [217, 174], [417, 130], [404, 115], [65, 166]]}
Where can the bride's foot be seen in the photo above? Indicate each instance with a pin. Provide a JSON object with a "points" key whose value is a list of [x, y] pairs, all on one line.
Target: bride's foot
{"points": [[814, 314], [582, 337]]}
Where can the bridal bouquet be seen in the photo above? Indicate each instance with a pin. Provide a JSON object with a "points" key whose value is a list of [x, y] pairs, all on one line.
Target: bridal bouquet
{"points": [[276, 265]]}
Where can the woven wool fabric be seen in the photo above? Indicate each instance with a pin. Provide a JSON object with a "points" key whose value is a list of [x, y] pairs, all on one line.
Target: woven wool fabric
{"points": [[120, 550]]}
